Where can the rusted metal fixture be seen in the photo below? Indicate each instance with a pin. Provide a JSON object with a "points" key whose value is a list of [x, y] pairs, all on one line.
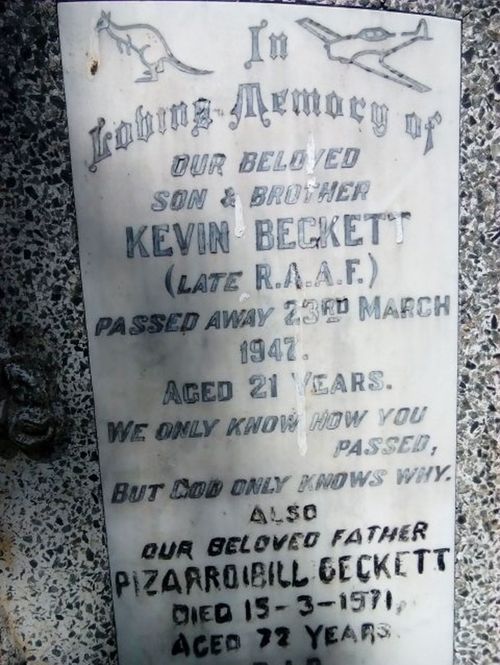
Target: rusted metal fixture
{"points": [[28, 421]]}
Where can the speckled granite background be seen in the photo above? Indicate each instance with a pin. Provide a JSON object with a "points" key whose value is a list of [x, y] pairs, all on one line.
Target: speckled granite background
{"points": [[55, 596]]}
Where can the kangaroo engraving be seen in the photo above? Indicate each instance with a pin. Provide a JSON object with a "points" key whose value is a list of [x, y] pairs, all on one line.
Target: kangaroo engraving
{"points": [[369, 49], [148, 44]]}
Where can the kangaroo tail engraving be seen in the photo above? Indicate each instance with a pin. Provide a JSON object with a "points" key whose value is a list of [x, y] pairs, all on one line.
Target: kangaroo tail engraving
{"points": [[148, 44], [181, 66]]}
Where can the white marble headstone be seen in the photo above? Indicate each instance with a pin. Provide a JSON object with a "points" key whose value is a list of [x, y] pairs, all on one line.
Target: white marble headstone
{"points": [[267, 217]]}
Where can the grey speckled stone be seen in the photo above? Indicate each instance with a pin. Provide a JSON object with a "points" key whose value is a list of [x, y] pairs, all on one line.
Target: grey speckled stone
{"points": [[55, 596]]}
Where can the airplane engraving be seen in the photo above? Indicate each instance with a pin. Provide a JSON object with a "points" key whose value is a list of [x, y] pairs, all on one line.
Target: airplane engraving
{"points": [[370, 48]]}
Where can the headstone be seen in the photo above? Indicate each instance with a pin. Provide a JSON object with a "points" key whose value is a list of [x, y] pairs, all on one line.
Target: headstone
{"points": [[267, 217]]}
